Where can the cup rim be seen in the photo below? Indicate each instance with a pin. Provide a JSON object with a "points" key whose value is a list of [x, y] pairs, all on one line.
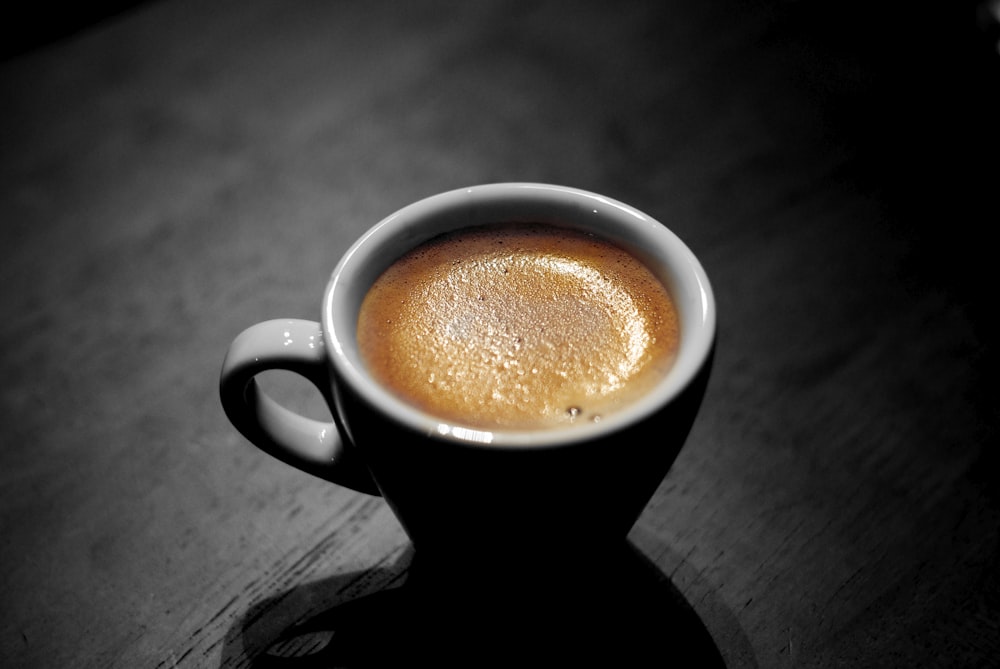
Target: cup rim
{"points": [[691, 290]]}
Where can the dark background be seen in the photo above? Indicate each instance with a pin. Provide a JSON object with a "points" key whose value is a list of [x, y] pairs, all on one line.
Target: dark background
{"points": [[910, 93]]}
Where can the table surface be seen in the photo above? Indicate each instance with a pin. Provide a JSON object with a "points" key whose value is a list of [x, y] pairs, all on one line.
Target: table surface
{"points": [[180, 170]]}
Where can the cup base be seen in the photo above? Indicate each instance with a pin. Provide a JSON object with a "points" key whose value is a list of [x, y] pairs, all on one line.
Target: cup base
{"points": [[626, 614]]}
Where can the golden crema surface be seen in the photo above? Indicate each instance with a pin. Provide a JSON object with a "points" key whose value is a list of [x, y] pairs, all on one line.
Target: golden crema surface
{"points": [[518, 327]]}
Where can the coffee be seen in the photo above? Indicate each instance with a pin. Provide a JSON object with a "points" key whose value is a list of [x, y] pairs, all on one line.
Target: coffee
{"points": [[518, 327]]}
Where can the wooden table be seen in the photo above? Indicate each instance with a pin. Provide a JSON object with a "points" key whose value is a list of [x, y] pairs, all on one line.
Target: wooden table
{"points": [[184, 169]]}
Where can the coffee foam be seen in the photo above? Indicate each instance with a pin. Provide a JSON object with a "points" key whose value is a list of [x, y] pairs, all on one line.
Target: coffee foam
{"points": [[518, 327]]}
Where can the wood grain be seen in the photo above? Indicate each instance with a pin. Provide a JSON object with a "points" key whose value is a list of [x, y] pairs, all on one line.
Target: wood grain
{"points": [[182, 170]]}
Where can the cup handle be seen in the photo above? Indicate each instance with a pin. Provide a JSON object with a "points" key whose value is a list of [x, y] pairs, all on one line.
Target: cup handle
{"points": [[313, 446]]}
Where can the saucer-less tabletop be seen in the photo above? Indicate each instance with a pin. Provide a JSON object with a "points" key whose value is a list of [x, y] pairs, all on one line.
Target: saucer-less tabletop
{"points": [[179, 171]]}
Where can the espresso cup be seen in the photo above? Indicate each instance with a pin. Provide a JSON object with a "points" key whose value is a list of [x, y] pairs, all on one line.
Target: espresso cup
{"points": [[466, 494]]}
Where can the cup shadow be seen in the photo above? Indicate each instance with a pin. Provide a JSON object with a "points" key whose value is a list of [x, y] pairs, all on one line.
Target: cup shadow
{"points": [[625, 613]]}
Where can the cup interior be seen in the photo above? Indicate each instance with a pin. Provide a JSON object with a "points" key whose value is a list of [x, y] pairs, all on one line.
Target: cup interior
{"points": [[644, 237]]}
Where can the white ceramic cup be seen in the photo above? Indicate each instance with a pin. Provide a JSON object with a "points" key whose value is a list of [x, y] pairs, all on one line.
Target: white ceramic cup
{"points": [[519, 494]]}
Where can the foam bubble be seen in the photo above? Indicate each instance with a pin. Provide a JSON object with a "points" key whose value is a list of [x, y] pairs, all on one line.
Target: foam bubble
{"points": [[515, 323]]}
